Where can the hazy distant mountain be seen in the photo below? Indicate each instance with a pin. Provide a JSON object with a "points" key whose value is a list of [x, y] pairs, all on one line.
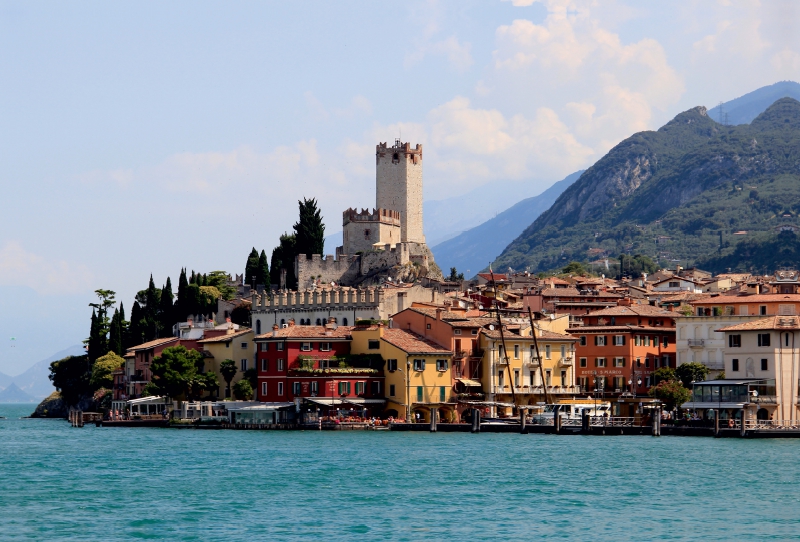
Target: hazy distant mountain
{"points": [[12, 394], [5, 380], [35, 381], [472, 250], [744, 109]]}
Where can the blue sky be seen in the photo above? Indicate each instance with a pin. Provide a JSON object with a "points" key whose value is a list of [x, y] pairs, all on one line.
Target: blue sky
{"points": [[140, 138]]}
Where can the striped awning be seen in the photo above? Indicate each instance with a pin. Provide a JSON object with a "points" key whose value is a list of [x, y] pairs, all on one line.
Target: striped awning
{"points": [[469, 383]]}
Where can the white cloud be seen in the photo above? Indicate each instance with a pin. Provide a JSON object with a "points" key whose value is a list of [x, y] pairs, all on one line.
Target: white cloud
{"points": [[18, 267]]}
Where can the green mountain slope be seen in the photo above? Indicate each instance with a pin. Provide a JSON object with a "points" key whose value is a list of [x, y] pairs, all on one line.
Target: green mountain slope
{"points": [[674, 193]]}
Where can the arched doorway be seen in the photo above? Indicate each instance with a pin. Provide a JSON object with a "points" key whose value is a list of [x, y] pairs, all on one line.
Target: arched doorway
{"points": [[762, 414]]}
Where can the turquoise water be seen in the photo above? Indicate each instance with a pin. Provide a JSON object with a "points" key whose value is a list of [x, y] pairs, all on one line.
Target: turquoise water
{"points": [[94, 483]]}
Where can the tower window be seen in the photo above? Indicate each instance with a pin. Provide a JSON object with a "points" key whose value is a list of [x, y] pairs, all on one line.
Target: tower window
{"points": [[395, 157], [366, 234]]}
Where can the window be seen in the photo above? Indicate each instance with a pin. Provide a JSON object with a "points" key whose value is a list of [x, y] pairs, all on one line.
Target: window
{"points": [[786, 310], [764, 365], [533, 378], [664, 342], [619, 340], [374, 345], [324, 347], [319, 322], [548, 378], [564, 378], [646, 340], [563, 350], [391, 390], [314, 387], [583, 340], [619, 362], [442, 394], [674, 284], [227, 345], [344, 388], [391, 365], [244, 346], [763, 339], [427, 326], [360, 388], [263, 389], [744, 310], [583, 382], [647, 362], [474, 331], [265, 365], [344, 321], [647, 381], [547, 352], [516, 378], [501, 380], [280, 388], [280, 347], [376, 388], [258, 327], [456, 332], [243, 365], [441, 365], [619, 383], [281, 364], [599, 340], [637, 341], [583, 362], [762, 310], [419, 364], [638, 362], [516, 351], [665, 360], [419, 394], [787, 340], [735, 341], [296, 388], [305, 347], [264, 347], [599, 362], [734, 364]]}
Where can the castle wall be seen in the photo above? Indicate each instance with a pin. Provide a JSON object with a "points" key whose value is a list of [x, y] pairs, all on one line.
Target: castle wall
{"points": [[361, 236], [399, 186], [344, 270]]}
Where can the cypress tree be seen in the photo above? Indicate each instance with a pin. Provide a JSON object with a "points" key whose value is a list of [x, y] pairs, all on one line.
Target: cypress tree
{"points": [[275, 266], [251, 269], [262, 272], [125, 331], [93, 344], [115, 334], [309, 230], [166, 309], [181, 308], [193, 279], [194, 300], [136, 328], [283, 258], [151, 312]]}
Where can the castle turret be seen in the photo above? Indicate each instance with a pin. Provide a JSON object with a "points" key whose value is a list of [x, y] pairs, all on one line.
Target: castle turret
{"points": [[399, 186]]}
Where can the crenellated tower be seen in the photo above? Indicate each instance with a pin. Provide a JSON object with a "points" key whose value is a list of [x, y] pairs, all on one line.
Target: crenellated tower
{"points": [[398, 186]]}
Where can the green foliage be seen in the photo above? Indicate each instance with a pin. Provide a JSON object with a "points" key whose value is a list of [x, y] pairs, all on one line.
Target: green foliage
{"points": [[228, 370], [455, 276], [166, 310], [251, 268], [71, 376], [181, 303], [663, 374], [241, 315], [636, 265], [137, 325], [680, 193], [262, 273], [671, 393], [283, 258], [220, 280], [309, 230], [243, 390], [97, 343], [691, 372], [174, 370], [574, 268], [685, 310], [103, 367], [251, 375]]}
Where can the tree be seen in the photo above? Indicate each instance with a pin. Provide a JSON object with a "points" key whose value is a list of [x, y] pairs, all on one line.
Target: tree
{"points": [[152, 296], [136, 327], [228, 370], [455, 276], [181, 304], [103, 368], [251, 268], [70, 376], [685, 310], [242, 390], [309, 230], [174, 370], [262, 273], [221, 281], [574, 268], [115, 333], [691, 372], [635, 265], [211, 384], [671, 393], [251, 375], [242, 315], [95, 344], [283, 257], [166, 310], [664, 374]]}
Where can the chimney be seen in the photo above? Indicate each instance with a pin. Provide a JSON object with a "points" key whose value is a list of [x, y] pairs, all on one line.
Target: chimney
{"points": [[438, 314], [291, 322], [380, 328], [275, 329], [624, 302]]}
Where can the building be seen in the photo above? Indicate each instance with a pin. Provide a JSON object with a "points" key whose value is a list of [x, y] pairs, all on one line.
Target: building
{"points": [[418, 371], [678, 284], [698, 341], [398, 182], [569, 300], [623, 344], [747, 305], [228, 343]]}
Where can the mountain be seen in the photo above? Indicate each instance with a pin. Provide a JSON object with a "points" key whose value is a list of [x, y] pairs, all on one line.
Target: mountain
{"points": [[12, 394], [35, 381], [470, 251], [689, 192], [5, 380], [744, 109]]}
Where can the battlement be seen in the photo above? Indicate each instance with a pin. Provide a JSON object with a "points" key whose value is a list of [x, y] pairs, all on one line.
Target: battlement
{"points": [[329, 298], [382, 149], [385, 216]]}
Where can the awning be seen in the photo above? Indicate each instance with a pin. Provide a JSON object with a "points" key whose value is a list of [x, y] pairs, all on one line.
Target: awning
{"points": [[333, 401], [157, 400], [469, 383], [263, 407]]}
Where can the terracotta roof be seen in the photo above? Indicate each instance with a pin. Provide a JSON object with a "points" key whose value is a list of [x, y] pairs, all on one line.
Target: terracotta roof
{"points": [[497, 276], [612, 329], [760, 298], [226, 338], [455, 319], [307, 332], [633, 310], [412, 343], [683, 296], [771, 322], [574, 292], [152, 344], [540, 334]]}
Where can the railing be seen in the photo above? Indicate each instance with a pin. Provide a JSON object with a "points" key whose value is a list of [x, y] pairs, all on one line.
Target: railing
{"points": [[766, 425], [594, 421], [565, 361], [476, 353], [534, 361], [540, 389], [696, 342]]}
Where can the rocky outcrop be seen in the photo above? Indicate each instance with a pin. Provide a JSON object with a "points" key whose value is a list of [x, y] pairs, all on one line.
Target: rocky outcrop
{"points": [[54, 407]]}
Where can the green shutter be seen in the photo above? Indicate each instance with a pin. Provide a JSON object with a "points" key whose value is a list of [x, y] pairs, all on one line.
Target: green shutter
{"points": [[442, 391], [595, 363]]}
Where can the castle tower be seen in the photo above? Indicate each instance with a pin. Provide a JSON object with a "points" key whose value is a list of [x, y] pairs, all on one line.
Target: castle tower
{"points": [[399, 186]]}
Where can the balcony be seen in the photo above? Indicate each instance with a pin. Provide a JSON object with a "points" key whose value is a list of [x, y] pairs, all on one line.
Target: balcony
{"points": [[696, 343], [534, 361], [539, 390], [566, 361]]}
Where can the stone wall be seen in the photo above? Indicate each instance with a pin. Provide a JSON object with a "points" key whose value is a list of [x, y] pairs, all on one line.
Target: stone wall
{"points": [[344, 270], [363, 230], [398, 186]]}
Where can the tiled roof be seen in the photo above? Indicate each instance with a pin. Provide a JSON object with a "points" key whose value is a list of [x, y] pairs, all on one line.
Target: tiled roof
{"points": [[497, 276], [412, 343], [771, 322], [225, 338], [760, 298], [308, 332], [540, 334], [574, 292], [683, 296], [618, 328], [633, 310], [152, 344]]}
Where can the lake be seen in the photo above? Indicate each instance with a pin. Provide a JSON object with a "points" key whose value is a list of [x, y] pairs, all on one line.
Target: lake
{"points": [[90, 483]]}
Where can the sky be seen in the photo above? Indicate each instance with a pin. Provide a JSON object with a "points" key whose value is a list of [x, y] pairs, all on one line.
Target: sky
{"points": [[142, 138]]}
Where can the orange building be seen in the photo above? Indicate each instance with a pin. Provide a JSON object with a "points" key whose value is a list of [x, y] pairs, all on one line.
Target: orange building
{"points": [[622, 344]]}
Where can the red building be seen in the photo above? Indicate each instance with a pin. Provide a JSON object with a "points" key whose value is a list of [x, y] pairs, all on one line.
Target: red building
{"points": [[130, 380], [304, 362]]}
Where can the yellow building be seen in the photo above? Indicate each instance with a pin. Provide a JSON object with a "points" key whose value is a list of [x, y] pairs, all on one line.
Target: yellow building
{"points": [[418, 371], [229, 344], [526, 377]]}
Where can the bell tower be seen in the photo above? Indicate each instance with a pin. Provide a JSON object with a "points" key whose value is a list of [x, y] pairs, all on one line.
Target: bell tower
{"points": [[398, 186]]}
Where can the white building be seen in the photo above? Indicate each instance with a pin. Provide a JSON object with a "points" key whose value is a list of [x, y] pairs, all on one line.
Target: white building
{"points": [[697, 339]]}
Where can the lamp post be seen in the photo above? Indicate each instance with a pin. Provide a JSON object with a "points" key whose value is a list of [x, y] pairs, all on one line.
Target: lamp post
{"points": [[631, 381]]}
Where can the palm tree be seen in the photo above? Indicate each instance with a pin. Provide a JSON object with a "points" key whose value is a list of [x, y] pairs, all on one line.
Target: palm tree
{"points": [[228, 370]]}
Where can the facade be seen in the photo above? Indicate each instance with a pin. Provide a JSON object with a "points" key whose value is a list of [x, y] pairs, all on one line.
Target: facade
{"points": [[135, 374], [222, 344], [569, 300], [697, 339], [748, 305], [362, 231], [398, 186], [677, 284], [624, 344], [418, 371]]}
